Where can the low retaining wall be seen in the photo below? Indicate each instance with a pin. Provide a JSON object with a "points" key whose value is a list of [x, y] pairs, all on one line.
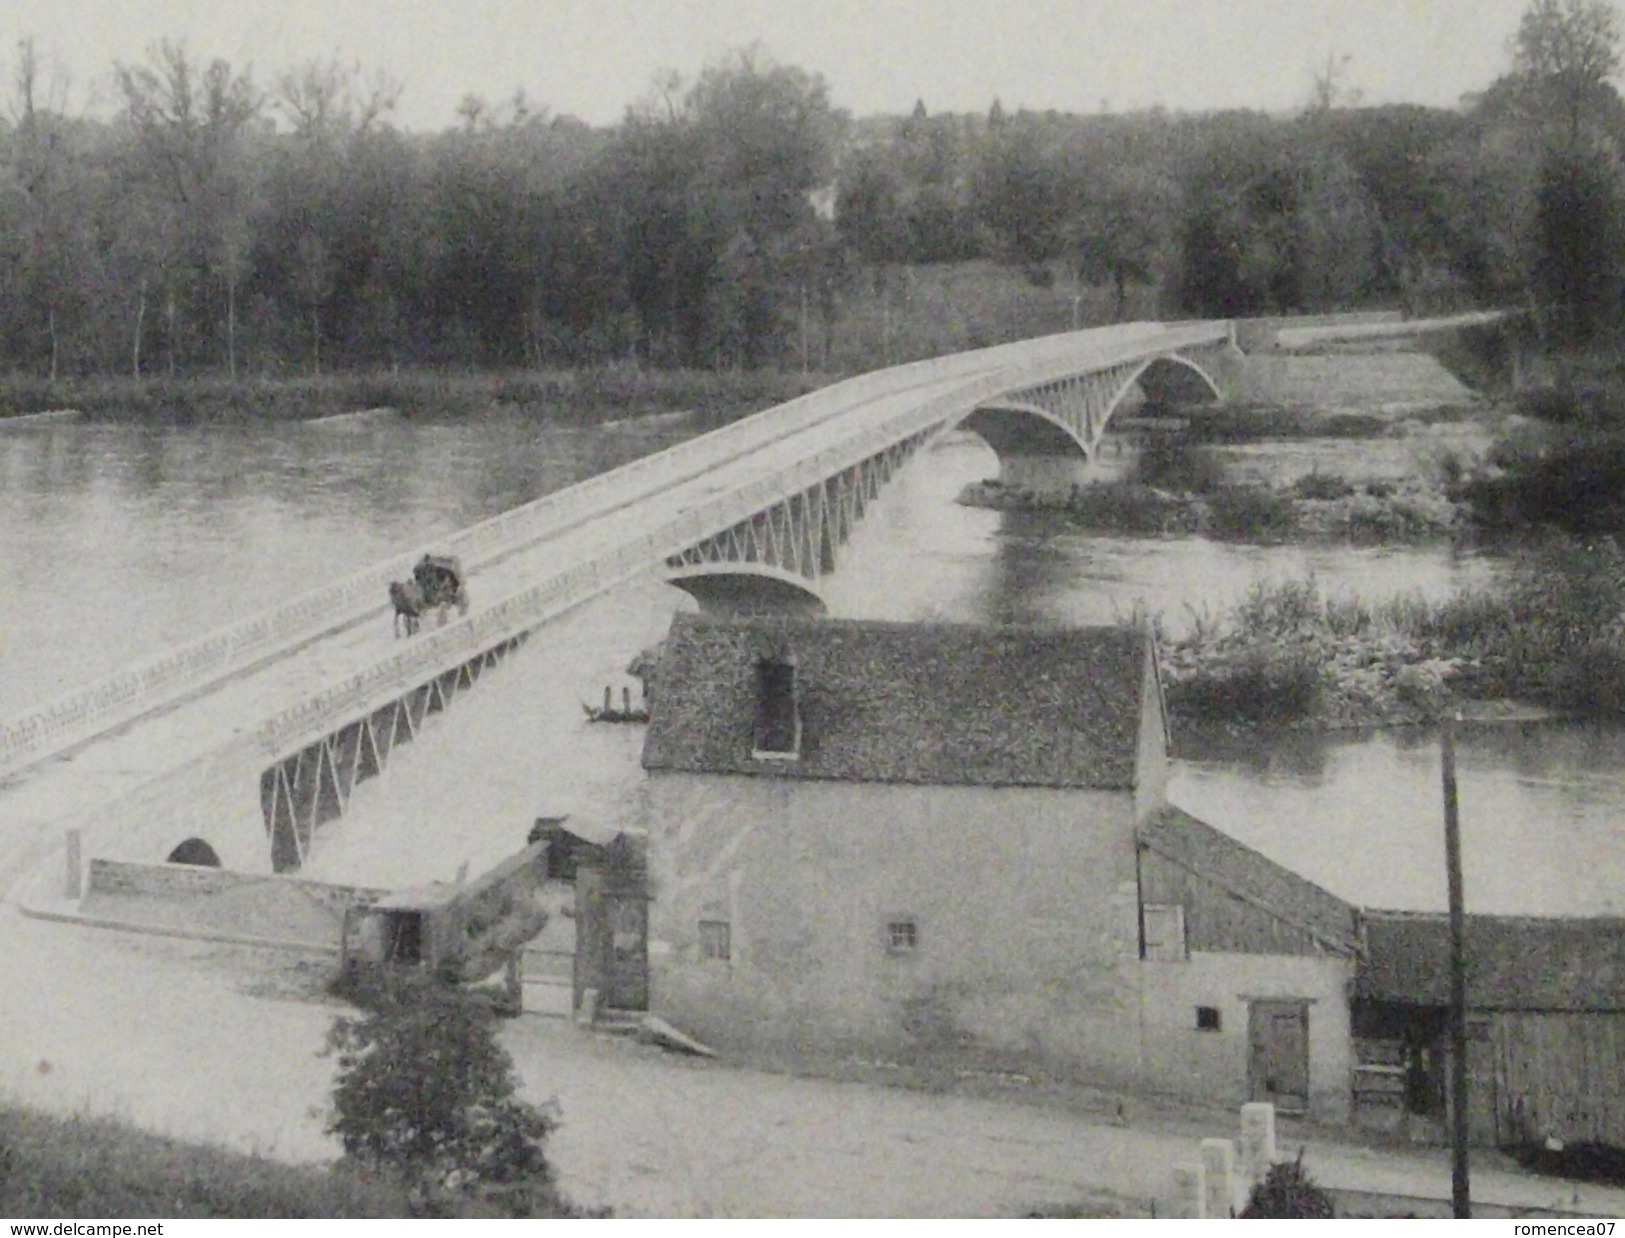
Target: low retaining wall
{"points": [[193, 881], [220, 903]]}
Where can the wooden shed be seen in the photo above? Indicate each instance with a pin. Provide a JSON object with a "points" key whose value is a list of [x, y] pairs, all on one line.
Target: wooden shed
{"points": [[1546, 1028]]}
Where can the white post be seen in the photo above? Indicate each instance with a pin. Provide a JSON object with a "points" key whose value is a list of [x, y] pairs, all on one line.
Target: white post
{"points": [[1218, 1170], [1189, 1192], [71, 888], [1257, 1141]]}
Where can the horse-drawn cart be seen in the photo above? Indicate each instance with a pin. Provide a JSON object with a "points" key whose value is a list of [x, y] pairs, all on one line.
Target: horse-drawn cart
{"points": [[438, 583]]}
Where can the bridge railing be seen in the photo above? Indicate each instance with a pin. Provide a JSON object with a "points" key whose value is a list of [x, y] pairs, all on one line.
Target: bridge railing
{"points": [[148, 685], [495, 622]]}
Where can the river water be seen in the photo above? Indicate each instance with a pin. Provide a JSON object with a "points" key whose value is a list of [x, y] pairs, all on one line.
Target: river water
{"points": [[116, 541]]}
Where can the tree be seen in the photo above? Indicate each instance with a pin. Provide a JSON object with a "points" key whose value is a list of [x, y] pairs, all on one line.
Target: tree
{"points": [[1580, 228], [1565, 56], [1327, 92], [425, 1096], [1119, 230], [47, 203], [189, 128]]}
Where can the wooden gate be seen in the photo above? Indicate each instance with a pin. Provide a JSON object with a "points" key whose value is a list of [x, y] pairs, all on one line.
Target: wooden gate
{"points": [[612, 929], [1278, 1057]]}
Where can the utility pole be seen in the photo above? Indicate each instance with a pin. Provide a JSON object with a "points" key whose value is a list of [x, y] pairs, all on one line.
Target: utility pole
{"points": [[1460, 1190]]}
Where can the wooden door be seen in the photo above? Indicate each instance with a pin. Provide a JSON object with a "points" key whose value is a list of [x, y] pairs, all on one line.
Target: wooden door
{"points": [[629, 952], [1278, 1059]]}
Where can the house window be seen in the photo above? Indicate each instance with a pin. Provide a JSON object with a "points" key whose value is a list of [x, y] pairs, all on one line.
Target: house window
{"points": [[902, 936], [1207, 1018], [1164, 929], [778, 720], [714, 940]]}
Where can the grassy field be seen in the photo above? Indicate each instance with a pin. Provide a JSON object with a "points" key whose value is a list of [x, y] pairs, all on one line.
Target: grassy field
{"points": [[56, 1168]]}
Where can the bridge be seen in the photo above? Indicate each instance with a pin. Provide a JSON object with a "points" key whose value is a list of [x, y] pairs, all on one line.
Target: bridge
{"points": [[254, 736]]}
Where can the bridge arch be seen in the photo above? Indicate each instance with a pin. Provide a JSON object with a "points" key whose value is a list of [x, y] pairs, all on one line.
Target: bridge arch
{"points": [[1167, 378], [1018, 427], [1045, 436], [194, 851], [748, 588]]}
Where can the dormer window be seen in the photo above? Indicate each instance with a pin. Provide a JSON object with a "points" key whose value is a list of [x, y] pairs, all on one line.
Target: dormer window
{"points": [[778, 720]]}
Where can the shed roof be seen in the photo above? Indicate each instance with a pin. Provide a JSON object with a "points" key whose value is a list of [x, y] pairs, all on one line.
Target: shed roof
{"points": [[1513, 962], [904, 702], [1212, 855]]}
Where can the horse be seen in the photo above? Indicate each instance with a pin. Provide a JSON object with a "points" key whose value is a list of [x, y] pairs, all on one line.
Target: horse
{"points": [[409, 602]]}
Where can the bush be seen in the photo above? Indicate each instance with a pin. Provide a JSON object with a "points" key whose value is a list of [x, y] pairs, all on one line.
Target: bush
{"points": [[1324, 487], [1287, 1193], [1173, 463], [1573, 481], [1258, 684], [1126, 507], [425, 1096], [1250, 513]]}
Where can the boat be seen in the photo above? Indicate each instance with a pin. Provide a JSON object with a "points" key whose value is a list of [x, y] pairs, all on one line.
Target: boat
{"points": [[608, 713]]}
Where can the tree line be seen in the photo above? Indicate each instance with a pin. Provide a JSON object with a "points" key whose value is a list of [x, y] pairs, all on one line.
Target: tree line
{"points": [[215, 224]]}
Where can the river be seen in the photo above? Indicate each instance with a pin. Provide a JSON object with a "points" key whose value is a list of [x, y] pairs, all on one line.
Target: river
{"points": [[120, 540]]}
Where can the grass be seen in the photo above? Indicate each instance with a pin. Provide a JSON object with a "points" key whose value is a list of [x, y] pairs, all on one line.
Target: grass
{"points": [[83, 1167], [575, 396]]}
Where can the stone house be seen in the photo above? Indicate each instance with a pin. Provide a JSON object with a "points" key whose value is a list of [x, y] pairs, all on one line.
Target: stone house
{"points": [[952, 842]]}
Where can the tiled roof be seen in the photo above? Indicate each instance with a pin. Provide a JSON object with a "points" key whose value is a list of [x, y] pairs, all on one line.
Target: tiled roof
{"points": [[916, 703], [1513, 963], [1212, 855]]}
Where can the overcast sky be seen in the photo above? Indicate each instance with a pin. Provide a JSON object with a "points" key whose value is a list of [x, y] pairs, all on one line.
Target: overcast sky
{"points": [[591, 58]]}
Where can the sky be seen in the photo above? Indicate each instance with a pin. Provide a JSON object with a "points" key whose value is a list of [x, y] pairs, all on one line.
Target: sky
{"points": [[592, 58]]}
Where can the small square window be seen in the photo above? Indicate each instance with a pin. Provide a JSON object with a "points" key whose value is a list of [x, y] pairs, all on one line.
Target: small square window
{"points": [[1207, 1018], [1164, 927], [902, 936], [714, 940]]}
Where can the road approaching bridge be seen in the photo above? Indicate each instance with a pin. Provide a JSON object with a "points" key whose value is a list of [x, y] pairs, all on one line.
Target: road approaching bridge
{"points": [[259, 731]]}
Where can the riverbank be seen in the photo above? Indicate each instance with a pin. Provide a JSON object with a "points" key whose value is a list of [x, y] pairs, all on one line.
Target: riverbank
{"points": [[582, 397], [1549, 640], [1319, 506]]}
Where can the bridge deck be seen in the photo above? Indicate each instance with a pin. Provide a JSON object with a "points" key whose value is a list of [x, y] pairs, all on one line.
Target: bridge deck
{"points": [[214, 732], [112, 766]]}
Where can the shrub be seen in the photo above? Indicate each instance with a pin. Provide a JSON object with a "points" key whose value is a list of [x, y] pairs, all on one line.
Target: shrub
{"points": [[1258, 684], [1574, 481], [1287, 1193], [425, 1096], [1250, 512], [1173, 463], [1126, 507], [1325, 487]]}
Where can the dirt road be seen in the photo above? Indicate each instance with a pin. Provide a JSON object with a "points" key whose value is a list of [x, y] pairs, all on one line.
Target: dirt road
{"points": [[191, 1040]]}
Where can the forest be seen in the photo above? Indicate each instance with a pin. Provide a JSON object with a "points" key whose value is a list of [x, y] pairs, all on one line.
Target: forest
{"points": [[214, 224]]}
